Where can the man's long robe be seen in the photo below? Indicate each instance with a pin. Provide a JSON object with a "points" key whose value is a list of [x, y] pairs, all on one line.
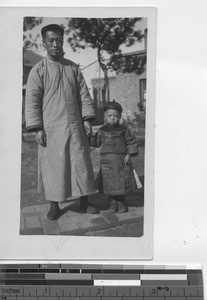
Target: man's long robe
{"points": [[58, 101]]}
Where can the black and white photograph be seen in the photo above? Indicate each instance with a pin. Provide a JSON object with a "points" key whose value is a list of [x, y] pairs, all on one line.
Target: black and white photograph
{"points": [[84, 114]]}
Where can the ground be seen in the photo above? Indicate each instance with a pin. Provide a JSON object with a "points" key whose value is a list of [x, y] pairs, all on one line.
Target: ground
{"points": [[34, 207]]}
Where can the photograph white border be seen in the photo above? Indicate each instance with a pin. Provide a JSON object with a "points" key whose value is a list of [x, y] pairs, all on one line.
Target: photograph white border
{"points": [[14, 246]]}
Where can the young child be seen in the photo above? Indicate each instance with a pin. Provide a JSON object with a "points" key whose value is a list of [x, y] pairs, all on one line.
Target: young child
{"points": [[117, 145]]}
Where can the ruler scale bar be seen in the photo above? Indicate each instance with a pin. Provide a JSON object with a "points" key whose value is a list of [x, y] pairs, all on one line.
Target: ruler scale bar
{"points": [[100, 282]]}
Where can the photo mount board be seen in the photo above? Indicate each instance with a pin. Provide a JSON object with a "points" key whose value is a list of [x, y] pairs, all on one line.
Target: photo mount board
{"points": [[64, 247]]}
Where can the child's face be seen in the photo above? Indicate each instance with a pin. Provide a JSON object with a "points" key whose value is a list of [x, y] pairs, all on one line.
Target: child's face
{"points": [[112, 117]]}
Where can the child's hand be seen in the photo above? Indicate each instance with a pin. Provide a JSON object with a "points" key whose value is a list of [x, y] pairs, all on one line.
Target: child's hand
{"points": [[127, 159]]}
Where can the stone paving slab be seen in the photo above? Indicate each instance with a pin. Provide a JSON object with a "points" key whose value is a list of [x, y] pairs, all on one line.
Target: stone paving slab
{"points": [[92, 224], [68, 227], [130, 215], [32, 231], [42, 209], [50, 227], [30, 210], [109, 217], [32, 222]]}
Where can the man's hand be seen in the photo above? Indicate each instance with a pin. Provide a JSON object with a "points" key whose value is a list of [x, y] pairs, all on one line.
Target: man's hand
{"points": [[41, 138], [88, 128], [127, 159]]}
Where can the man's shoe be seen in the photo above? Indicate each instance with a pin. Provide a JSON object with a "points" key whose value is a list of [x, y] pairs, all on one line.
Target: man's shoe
{"points": [[54, 211], [113, 206]]}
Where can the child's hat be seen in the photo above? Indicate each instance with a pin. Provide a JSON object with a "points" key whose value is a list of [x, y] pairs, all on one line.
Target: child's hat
{"points": [[113, 105]]}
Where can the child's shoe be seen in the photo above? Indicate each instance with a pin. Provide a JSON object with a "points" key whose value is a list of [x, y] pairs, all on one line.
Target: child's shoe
{"points": [[85, 206], [122, 207], [113, 206]]}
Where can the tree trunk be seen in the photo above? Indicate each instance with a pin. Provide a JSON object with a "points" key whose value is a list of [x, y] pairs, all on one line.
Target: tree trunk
{"points": [[105, 87], [106, 79]]}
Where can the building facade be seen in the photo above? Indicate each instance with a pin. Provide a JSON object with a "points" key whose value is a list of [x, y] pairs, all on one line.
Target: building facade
{"points": [[128, 88]]}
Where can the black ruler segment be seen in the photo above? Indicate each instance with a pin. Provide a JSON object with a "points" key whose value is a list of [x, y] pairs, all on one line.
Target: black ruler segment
{"points": [[10, 271], [9, 276], [46, 282], [195, 279], [77, 271], [133, 271], [49, 271], [113, 271], [29, 270], [194, 271], [92, 271]]}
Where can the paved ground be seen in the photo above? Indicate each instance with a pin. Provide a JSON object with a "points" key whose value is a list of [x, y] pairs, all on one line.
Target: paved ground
{"points": [[34, 207], [71, 222]]}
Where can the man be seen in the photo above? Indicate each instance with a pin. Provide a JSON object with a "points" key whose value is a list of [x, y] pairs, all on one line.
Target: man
{"points": [[59, 109]]}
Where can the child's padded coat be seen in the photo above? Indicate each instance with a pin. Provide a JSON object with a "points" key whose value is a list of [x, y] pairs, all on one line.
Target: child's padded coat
{"points": [[115, 177]]}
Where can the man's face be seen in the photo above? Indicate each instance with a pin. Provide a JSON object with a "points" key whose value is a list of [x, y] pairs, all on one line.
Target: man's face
{"points": [[53, 43], [112, 117]]}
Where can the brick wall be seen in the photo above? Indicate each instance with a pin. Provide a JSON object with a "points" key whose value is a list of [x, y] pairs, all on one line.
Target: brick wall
{"points": [[125, 89]]}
